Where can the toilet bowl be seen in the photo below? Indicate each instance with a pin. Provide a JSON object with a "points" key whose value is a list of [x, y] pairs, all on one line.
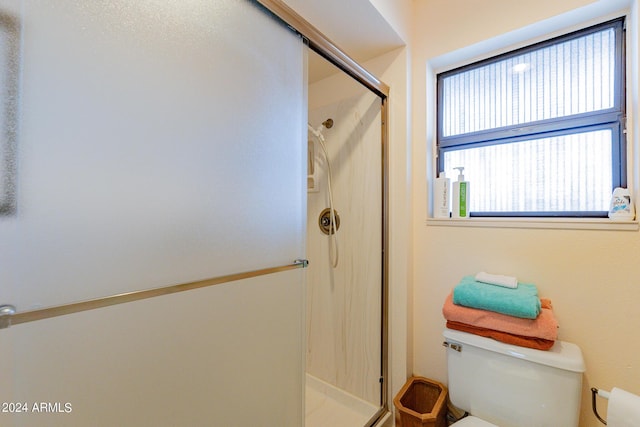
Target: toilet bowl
{"points": [[510, 386], [472, 421]]}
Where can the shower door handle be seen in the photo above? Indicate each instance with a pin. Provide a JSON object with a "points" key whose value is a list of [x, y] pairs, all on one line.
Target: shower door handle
{"points": [[6, 311]]}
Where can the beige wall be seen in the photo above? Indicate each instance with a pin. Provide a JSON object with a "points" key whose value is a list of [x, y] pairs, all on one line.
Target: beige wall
{"points": [[392, 68], [398, 13], [592, 277]]}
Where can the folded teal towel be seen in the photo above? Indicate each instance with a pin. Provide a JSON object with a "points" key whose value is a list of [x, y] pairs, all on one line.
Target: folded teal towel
{"points": [[522, 301]]}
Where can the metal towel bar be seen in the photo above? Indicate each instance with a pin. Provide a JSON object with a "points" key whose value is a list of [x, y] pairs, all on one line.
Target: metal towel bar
{"points": [[600, 393], [8, 315]]}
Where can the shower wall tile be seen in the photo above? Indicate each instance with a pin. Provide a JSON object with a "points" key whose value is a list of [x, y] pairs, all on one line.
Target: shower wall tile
{"points": [[344, 304]]}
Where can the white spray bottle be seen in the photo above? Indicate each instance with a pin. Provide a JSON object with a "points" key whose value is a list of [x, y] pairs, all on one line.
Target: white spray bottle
{"points": [[460, 196]]}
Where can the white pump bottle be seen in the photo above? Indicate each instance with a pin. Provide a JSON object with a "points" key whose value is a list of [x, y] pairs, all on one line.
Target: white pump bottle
{"points": [[460, 196], [441, 196]]}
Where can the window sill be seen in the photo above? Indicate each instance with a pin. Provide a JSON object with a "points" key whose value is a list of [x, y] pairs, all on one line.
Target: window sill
{"points": [[540, 223]]}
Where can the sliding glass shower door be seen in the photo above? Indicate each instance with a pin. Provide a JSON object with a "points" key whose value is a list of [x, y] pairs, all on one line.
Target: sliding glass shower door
{"points": [[148, 144]]}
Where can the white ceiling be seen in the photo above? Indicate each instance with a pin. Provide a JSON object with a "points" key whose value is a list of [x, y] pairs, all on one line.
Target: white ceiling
{"points": [[355, 26]]}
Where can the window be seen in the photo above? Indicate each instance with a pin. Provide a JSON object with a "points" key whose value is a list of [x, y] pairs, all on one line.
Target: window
{"points": [[540, 130]]}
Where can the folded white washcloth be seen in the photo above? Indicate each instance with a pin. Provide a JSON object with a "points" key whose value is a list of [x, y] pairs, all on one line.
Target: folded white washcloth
{"points": [[498, 280]]}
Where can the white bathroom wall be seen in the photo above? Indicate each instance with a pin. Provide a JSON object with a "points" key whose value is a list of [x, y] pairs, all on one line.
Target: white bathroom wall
{"points": [[392, 69], [159, 143], [590, 275], [398, 15], [344, 304]]}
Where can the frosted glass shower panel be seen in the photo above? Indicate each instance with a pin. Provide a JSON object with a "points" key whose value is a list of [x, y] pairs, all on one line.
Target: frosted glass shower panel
{"points": [[159, 143], [147, 138], [9, 65]]}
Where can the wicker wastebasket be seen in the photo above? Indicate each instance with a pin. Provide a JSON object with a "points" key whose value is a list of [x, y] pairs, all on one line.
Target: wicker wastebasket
{"points": [[421, 402]]}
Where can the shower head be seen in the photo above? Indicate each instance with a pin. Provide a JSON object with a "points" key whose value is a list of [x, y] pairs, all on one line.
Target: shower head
{"points": [[316, 132], [328, 124]]}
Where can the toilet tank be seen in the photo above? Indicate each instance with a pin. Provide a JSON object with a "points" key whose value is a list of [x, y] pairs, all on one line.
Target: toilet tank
{"points": [[513, 386]]}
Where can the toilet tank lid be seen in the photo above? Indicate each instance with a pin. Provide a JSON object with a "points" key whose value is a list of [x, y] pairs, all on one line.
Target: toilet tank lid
{"points": [[563, 355]]}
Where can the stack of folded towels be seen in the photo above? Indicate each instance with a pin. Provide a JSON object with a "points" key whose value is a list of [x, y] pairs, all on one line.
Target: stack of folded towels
{"points": [[499, 307]]}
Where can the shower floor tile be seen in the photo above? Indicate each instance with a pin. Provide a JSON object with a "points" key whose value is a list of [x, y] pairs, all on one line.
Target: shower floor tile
{"points": [[327, 406]]}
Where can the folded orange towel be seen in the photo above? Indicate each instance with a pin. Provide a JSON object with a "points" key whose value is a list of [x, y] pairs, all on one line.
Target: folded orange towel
{"points": [[529, 342], [545, 326]]}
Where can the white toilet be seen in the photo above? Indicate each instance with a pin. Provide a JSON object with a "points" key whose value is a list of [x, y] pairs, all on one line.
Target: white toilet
{"points": [[510, 386]]}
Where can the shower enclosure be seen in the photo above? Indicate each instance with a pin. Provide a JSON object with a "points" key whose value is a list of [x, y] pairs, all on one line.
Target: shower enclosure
{"points": [[155, 147], [344, 357]]}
